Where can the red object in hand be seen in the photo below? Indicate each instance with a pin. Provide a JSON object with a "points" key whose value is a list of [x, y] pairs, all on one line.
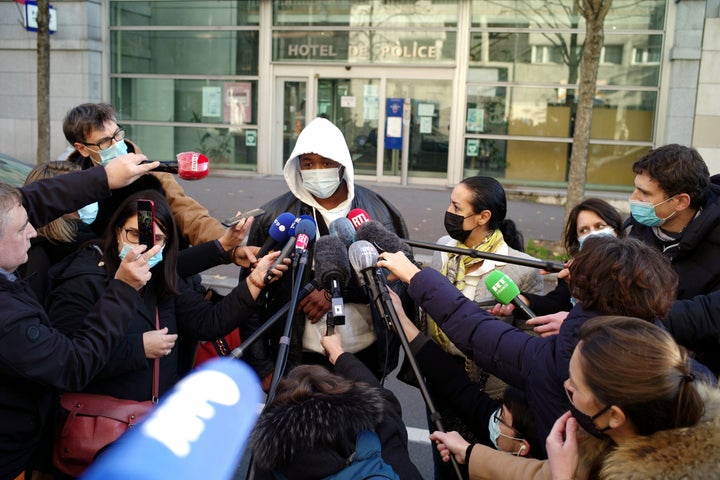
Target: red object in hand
{"points": [[192, 165]]}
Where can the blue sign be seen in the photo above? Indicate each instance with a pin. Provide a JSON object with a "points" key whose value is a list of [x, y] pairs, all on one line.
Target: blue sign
{"points": [[393, 123]]}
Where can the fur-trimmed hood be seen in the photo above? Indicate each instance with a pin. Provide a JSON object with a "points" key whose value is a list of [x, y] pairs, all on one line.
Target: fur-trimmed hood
{"points": [[316, 437], [680, 453], [691, 452]]}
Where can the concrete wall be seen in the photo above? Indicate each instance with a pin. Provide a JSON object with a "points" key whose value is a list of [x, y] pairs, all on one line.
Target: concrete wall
{"points": [[707, 119], [75, 69]]}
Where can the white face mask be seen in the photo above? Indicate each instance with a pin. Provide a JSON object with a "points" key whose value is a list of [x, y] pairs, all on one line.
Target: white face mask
{"points": [[322, 182], [609, 231]]}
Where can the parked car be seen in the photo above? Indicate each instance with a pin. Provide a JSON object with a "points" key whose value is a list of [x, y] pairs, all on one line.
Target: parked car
{"points": [[13, 171]]}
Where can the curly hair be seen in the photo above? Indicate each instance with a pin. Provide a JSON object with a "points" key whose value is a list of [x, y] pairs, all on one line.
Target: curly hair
{"points": [[615, 276]]}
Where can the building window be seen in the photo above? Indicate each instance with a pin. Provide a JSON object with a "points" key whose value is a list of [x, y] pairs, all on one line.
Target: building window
{"points": [[646, 56]]}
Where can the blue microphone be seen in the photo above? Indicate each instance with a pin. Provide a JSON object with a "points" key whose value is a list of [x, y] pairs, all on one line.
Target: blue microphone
{"points": [[199, 429]]}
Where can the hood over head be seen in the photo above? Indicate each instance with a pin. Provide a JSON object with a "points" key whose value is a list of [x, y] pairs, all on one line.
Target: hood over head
{"points": [[323, 138]]}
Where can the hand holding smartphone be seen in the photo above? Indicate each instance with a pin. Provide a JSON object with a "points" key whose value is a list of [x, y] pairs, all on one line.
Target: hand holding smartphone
{"points": [[146, 222], [232, 221]]}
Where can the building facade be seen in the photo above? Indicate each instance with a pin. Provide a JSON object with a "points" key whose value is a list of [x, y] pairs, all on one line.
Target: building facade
{"points": [[425, 91]]}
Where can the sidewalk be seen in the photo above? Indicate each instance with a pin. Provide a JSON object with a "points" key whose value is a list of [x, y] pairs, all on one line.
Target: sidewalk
{"points": [[536, 212]]}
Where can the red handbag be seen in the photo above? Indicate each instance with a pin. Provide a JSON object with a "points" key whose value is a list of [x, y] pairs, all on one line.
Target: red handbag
{"points": [[95, 421]]}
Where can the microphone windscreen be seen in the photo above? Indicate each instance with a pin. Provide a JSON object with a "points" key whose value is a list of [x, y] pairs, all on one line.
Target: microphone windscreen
{"points": [[199, 429], [376, 233], [280, 227], [293, 226], [343, 229], [358, 216], [363, 255], [306, 226], [501, 287], [331, 260]]}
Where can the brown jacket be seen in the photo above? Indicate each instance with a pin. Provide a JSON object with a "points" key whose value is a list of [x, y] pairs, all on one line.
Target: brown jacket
{"points": [[192, 219]]}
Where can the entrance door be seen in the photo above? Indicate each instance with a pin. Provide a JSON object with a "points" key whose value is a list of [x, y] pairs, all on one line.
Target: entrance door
{"points": [[356, 101], [353, 105], [291, 117]]}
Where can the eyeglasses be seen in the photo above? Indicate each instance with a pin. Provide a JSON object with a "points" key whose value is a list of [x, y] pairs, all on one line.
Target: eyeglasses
{"points": [[497, 418], [107, 141], [132, 235]]}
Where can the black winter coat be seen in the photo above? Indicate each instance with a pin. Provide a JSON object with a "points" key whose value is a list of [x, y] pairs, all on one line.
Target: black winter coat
{"points": [[262, 355], [80, 280], [36, 359]]}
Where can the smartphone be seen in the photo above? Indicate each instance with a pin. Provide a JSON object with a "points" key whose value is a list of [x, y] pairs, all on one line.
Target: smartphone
{"points": [[146, 222], [232, 221]]}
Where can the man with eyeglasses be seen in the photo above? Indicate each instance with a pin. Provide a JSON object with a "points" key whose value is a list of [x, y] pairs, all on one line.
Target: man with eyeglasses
{"points": [[92, 129]]}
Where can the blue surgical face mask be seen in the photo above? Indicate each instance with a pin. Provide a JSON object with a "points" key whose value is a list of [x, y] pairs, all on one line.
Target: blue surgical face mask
{"points": [[152, 261], [88, 213], [644, 212], [114, 150], [494, 431]]}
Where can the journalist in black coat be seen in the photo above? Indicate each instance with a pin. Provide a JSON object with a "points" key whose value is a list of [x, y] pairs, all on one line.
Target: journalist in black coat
{"points": [[36, 359]]}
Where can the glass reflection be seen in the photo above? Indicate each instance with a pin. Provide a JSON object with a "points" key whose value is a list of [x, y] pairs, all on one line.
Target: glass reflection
{"points": [[369, 13], [185, 52], [623, 15], [555, 58], [225, 147], [206, 14]]}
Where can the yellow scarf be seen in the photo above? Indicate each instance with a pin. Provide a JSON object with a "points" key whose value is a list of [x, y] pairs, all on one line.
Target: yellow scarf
{"points": [[454, 270]]}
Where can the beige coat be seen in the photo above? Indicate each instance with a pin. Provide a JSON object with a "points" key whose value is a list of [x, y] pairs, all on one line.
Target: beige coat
{"points": [[682, 453]]}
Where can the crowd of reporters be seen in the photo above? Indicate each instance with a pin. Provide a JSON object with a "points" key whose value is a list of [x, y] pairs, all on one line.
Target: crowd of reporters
{"points": [[328, 284]]}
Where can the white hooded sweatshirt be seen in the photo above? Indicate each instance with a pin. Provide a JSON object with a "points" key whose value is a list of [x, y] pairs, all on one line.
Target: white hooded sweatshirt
{"points": [[323, 138]]}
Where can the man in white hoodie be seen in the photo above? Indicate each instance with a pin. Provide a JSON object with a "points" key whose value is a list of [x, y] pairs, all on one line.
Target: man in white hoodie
{"points": [[320, 176]]}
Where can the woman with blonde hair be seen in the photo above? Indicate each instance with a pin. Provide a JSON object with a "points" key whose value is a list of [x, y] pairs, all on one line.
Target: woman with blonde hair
{"points": [[642, 411]]}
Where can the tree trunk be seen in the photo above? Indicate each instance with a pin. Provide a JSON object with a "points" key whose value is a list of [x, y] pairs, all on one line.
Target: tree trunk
{"points": [[43, 81], [594, 12]]}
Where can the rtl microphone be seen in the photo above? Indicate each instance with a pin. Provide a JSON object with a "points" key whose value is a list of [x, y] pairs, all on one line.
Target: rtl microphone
{"points": [[383, 239], [343, 229], [332, 267], [187, 435], [188, 166], [278, 233], [358, 216], [506, 291]]}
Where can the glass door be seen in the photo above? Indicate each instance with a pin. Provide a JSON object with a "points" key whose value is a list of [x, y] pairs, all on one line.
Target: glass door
{"points": [[353, 105], [294, 113], [429, 127]]}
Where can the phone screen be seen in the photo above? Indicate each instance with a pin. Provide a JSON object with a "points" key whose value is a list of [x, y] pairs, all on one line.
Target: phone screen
{"points": [[146, 222]]}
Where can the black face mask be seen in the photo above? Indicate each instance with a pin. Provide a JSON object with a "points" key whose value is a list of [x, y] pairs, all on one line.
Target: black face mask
{"points": [[587, 422], [454, 226]]}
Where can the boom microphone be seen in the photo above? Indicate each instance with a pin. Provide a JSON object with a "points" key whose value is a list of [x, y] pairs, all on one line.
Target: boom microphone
{"points": [[506, 291], [383, 239], [278, 233], [343, 229], [333, 269], [358, 216], [187, 435]]}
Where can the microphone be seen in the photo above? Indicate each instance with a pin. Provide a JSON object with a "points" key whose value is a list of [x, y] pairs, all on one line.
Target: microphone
{"points": [[187, 435], [333, 269], [343, 229], [358, 216], [279, 233], [383, 239], [188, 166], [506, 291], [302, 233], [363, 258]]}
